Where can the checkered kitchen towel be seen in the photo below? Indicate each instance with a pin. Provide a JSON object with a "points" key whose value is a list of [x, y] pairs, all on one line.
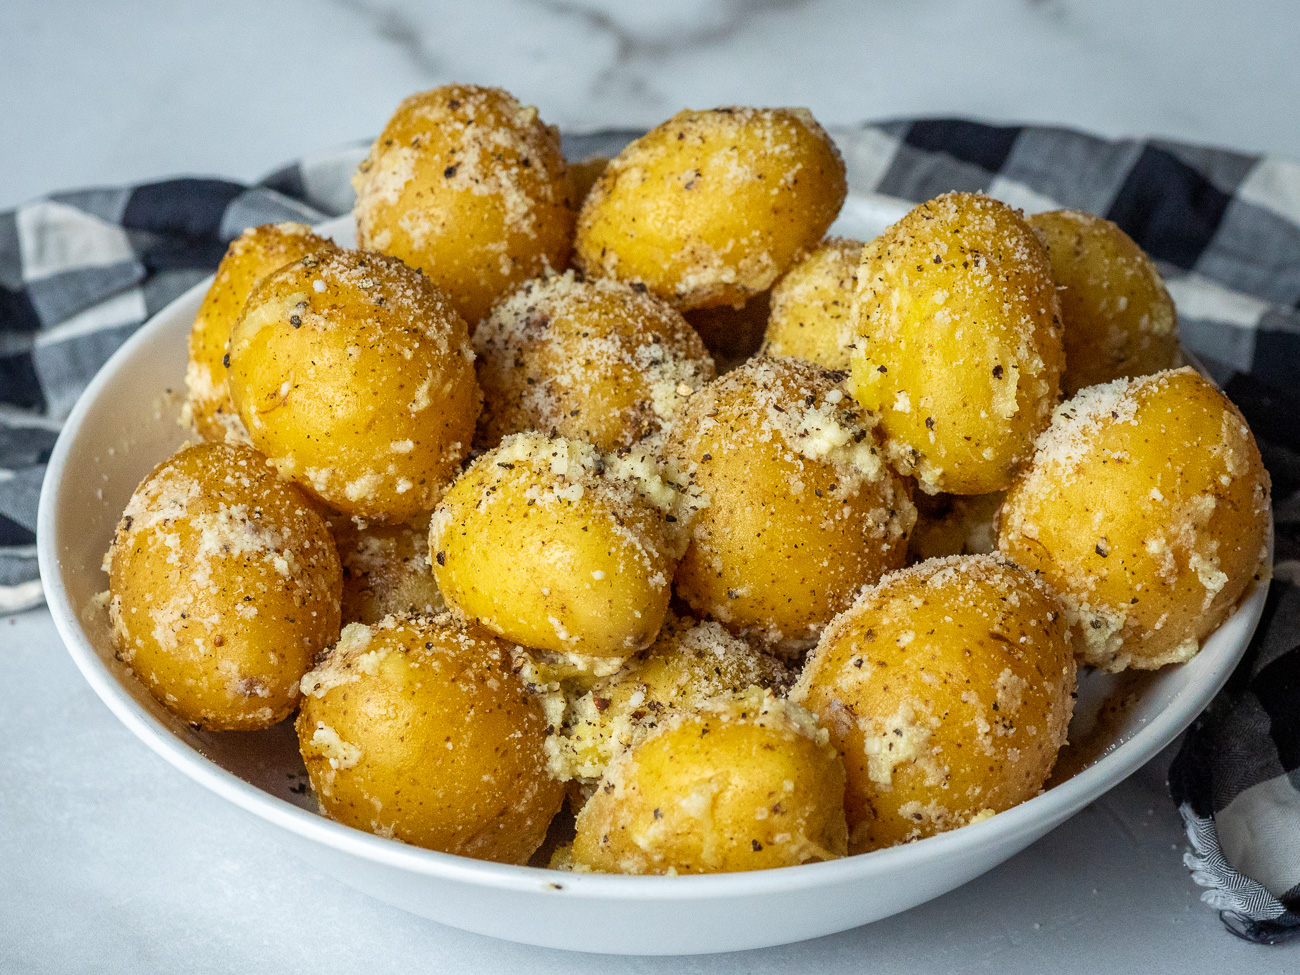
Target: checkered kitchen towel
{"points": [[80, 271]]}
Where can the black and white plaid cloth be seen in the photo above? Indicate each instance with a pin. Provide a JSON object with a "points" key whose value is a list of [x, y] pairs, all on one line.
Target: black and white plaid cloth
{"points": [[80, 271]]}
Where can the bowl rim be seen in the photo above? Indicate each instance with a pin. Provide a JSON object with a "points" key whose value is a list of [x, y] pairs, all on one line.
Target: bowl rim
{"points": [[1052, 806]]}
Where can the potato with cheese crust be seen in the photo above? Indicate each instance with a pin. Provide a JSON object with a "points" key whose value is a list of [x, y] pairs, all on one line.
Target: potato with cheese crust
{"points": [[470, 187], [355, 376], [598, 361], [250, 257], [223, 584], [1118, 318], [1147, 507], [711, 207], [386, 570], [803, 511], [958, 342], [557, 547], [418, 729], [746, 782], [947, 688], [811, 304]]}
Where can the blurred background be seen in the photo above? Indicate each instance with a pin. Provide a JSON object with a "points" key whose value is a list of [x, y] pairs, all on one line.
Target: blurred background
{"points": [[110, 92]]}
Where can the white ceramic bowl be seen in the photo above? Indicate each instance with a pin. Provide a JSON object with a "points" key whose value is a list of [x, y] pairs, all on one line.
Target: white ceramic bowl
{"points": [[125, 423]]}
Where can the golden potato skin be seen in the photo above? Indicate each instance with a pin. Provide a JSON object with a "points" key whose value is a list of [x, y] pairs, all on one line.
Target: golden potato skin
{"points": [[711, 207], [732, 335], [597, 361], [1147, 508], [952, 524], [250, 257], [1118, 317], [958, 341], [470, 187], [803, 512], [355, 376], [385, 570], [811, 304], [583, 176], [223, 584], [947, 688], [747, 782], [549, 544], [418, 729]]}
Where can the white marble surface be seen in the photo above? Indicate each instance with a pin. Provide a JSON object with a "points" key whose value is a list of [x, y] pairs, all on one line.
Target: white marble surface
{"points": [[112, 862]]}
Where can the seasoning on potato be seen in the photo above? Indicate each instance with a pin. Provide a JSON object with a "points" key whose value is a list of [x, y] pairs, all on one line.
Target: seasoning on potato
{"points": [[958, 341], [355, 376], [385, 570], [470, 187], [947, 688], [418, 729], [223, 583], [710, 207], [1147, 507], [811, 304]]}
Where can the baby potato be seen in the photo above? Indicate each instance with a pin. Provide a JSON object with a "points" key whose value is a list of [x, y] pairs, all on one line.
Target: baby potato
{"points": [[811, 305], [958, 341], [355, 376], [548, 543], [417, 729], [590, 360], [583, 176], [950, 524], [732, 335], [1118, 318], [223, 584], [470, 187], [250, 257], [947, 688], [385, 570], [746, 782], [1147, 507], [803, 511], [711, 207]]}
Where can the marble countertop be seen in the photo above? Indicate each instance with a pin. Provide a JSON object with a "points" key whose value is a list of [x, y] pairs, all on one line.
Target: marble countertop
{"points": [[110, 861]]}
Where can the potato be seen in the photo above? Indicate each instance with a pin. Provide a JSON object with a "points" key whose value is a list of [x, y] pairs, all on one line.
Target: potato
{"points": [[250, 257], [596, 361], [356, 377], [418, 729], [550, 544], [385, 570], [1147, 506], [947, 688], [223, 583], [583, 176], [950, 524], [711, 207], [803, 512], [1119, 320], [958, 342], [470, 187], [811, 304], [745, 783], [732, 335]]}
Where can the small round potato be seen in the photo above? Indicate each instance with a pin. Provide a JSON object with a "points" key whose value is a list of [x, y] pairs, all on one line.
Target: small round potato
{"points": [[418, 729], [597, 361], [711, 207], [746, 782], [1147, 507], [811, 304], [556, 547], [803, 511], [1119, 320], [356, 377], [385, 570], [732, 335], [470, 187], [958, 342], [947, 689], [223, 584], [950, 524], [250, 257], [583, 176]]}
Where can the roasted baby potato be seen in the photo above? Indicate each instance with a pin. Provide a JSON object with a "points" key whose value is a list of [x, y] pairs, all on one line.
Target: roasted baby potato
{"points": [[947, 688], [1147, 507], [356, 377], [744, 783], [385, 570], [951, 524], [811, 304], [711, 207], [418, 729], [597, 361], [223, 583], [958, 342], [470, 187]]}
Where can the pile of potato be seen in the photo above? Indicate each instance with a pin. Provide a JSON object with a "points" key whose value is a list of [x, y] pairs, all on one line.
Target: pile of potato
{"points": [[474, 501]]}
